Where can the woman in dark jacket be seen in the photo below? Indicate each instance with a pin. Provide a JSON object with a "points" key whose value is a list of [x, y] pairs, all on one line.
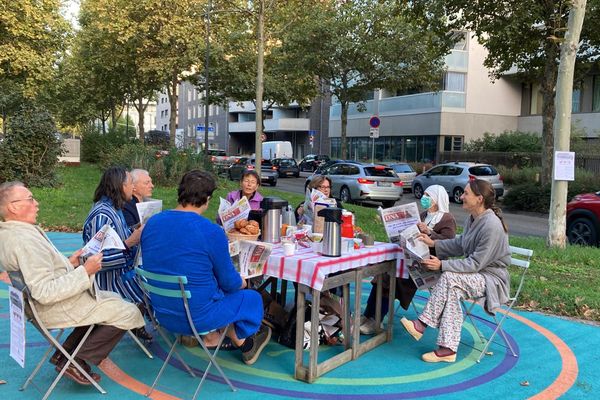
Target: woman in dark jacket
{"points": [[439, 224]]}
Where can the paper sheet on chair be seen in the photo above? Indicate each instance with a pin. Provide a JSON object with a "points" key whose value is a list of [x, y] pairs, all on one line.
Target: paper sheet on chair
{"points": [[17, 326]]}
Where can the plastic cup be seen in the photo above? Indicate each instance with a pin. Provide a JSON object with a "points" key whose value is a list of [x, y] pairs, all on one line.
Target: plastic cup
{"points": [[289, 249]]}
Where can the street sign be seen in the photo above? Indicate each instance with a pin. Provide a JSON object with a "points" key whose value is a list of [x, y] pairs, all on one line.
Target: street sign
{"points": [[311, 133], [263, 137], [374, 133], [374, 121], [200, 128]]}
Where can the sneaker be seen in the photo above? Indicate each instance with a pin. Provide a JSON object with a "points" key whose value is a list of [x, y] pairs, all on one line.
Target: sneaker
{"points": [[368, 326], [261, 338]]}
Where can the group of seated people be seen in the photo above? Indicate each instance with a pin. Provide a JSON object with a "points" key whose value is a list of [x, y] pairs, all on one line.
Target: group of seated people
{"points": [[182, 241]]}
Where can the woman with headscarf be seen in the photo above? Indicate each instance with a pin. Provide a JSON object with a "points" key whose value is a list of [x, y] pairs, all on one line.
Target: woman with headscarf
{"points": [[438, 224]]}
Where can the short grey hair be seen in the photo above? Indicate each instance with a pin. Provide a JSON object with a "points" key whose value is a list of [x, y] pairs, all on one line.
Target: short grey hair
{"points": [[137, 173], [6, 189]]}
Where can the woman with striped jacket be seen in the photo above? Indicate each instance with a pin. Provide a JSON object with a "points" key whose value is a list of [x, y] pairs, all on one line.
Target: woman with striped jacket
{"points": [[117, 273]]}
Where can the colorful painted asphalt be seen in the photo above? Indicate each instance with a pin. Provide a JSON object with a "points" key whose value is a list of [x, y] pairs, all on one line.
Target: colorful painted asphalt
{"points": [[554, 360]]}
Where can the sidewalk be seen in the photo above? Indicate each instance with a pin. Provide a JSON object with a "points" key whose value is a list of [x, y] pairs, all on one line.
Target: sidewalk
{"points": [[557, 358]]}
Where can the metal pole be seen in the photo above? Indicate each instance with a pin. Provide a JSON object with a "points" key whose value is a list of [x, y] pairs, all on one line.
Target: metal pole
{"points": [[373, 150], [206, 81]]}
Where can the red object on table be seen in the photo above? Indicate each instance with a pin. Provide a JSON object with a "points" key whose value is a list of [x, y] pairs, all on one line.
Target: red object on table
{"points": [[347, 227]]}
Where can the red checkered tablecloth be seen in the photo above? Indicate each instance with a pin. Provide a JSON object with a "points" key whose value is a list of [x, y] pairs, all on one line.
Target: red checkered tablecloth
{"points": [[311, 269]]}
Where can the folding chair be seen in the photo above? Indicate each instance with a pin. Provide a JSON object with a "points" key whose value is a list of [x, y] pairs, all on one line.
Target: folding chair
{"points": [[150, 280], [520, 258], [31, 313]]}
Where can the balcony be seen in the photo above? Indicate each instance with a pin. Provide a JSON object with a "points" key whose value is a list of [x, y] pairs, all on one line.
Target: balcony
{"points": [[244, 106], [409, 104], [272, 125]]}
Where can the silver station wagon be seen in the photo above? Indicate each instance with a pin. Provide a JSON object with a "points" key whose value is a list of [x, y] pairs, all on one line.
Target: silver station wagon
{"points": [[353, 181]]}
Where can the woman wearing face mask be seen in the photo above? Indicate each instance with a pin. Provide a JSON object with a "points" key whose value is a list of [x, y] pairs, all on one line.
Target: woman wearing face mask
{"points": [[438, 224]]}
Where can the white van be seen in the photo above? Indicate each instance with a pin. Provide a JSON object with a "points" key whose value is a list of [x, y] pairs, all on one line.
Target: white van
{"points": [[277, 149]]}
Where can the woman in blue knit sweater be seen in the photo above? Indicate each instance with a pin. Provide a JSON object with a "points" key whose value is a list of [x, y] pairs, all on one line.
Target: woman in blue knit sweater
{"points": [[183, 242]]}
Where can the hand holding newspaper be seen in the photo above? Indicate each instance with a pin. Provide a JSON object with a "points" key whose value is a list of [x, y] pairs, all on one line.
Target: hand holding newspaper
{"points": [[229, 213], [147, 209], [416, 251]]}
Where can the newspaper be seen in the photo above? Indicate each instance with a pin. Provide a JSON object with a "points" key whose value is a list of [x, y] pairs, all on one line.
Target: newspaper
{"points": [[414, 252], [413, 247], [249, 257], [106, 238], [421, 276], [147, 209], [229, 213], [17, 326], [397, 219]]}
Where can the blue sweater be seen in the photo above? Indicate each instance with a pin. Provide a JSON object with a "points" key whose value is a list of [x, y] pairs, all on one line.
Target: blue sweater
{"points": [[185, 243]]}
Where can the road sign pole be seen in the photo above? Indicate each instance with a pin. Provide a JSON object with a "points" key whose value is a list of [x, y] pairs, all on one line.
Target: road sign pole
{"points": [[373, 150]]}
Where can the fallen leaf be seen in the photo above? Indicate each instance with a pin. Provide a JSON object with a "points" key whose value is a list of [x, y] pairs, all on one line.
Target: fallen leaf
{"points": [[525, 383]]}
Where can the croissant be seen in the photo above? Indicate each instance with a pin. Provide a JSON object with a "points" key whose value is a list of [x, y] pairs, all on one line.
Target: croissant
{"points": [[253, 230], [241, 223], [253, 223]]}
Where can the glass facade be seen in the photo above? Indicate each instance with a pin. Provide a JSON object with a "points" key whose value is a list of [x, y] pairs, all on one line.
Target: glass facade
{"points": [[389, 148]]}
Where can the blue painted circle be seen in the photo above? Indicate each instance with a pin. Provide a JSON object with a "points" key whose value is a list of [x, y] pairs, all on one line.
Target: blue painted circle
{"points": [[374, 122]]}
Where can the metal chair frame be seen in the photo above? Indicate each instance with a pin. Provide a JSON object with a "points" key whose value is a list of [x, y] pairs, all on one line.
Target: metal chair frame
{"points": [[146, 278], [521, 258]]}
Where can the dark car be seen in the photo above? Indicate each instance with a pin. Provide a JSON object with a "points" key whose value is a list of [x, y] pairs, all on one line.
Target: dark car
{"points": [[583, 219], [286, 167], [327, 164], [313, 161], [268, 173]]}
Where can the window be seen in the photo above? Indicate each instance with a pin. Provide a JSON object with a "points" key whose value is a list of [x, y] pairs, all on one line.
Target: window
{"points": [[483, 170], [454, 171], [454, 81], [436, 171], [402, 168], [596, 94], [461, 40], [576, 100], [380, 171], [453, 143], [334, 170]]}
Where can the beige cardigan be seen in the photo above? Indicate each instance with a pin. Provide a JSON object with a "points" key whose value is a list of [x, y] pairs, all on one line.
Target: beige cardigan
{"points": [[62, 293]]}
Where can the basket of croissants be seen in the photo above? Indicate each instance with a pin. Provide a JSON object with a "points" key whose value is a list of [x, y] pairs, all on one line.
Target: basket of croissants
{"points": [[244, 230]]}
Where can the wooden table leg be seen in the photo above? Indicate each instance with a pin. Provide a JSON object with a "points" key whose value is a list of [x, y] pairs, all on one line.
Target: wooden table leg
{"points": [[391, 311], [357, 313], [300, 311], [314, 336], [346, 316]]}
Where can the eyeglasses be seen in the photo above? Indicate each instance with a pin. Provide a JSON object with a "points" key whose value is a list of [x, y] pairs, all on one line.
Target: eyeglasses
{"points": [[324, 187], [31, 199]]}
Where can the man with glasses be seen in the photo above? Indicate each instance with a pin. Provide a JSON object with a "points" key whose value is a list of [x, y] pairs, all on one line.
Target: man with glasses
{"points": [[61, 286]]}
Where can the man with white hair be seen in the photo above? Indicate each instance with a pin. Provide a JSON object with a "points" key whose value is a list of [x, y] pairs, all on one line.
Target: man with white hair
{"points": [[142, 190], [61, 287]]}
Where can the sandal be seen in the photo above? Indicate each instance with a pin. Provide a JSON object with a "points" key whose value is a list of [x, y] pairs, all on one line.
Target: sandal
{"points": [[227, 345]]}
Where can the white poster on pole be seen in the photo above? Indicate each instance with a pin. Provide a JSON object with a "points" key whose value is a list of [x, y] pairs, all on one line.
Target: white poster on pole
{"points": [[564, 166], [17, 326]]}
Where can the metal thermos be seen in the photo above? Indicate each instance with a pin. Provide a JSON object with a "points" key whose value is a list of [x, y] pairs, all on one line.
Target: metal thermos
{"points": [[332, 235], [287, 216], [271, 219]]}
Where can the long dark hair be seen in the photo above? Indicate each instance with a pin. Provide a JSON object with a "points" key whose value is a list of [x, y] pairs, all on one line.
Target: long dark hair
{"points": [[195, 188], [486, 190], [111, 186]]}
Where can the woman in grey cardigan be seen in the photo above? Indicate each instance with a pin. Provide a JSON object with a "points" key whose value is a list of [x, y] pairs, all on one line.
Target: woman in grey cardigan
{"points": [[481, 271]]}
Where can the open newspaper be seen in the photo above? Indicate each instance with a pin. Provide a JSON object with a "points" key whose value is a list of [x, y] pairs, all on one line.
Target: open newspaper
{"points": [[414, 252], [249, 257], [105, 239], [229, 213], [316, 201], [397, 219], [148, 208]]}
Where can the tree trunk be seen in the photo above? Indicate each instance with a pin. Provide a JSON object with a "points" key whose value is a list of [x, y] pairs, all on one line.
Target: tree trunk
{"points": [[548, 85], [172, 93], [562, 126], [260, 64], [344, 120], [141, 108]]}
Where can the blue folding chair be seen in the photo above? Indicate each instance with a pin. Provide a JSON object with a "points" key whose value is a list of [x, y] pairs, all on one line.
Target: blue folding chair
{"points": [[149, 281]]}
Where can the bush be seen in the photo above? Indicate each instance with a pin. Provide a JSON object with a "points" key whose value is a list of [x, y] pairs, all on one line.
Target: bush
{"points": [[31, 147], [536, 198], [518, 176], [165, 167], [97, 147], [507, 141]]}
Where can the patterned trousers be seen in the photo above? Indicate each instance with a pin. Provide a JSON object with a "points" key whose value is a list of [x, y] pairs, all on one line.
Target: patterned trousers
{"points": [[443, 309]]}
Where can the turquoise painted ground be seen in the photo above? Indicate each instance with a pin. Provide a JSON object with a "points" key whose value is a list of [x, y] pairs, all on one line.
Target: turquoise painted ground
{"points": [[555, 357]]}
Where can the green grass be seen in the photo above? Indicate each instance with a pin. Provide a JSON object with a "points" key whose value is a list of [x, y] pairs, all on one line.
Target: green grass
{"points": [[560, 281]]}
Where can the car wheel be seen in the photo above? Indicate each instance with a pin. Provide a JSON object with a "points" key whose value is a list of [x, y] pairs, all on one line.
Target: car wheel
{"points": [[582, 231], [345, 196], [388, 203], [418, 191], [274, 183], [456, 195]]}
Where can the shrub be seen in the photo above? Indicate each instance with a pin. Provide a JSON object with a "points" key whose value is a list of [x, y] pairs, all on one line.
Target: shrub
{"points": [[31, 147], [536, 198], [518, 176], [507, 141], [97, 147]]}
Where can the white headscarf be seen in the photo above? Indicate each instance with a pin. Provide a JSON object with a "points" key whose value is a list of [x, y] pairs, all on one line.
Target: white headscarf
{"points": [[438, 194]]}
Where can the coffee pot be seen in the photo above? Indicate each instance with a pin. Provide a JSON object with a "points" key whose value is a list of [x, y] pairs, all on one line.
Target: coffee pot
{"points": [[271, 218], [332, 237]]}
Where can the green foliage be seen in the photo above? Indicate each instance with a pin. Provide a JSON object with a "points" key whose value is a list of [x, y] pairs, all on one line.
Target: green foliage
{"points": [[507, 141], [30, 150], [97, 147], [518, 176], [535, 197]]}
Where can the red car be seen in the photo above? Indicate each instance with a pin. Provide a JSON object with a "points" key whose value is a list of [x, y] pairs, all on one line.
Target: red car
{"points": [[583, 219]]}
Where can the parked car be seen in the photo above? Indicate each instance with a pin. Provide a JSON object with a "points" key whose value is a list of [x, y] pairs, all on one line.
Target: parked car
{"points": [[454, 177], [220, 160], [268, 173], [313, 161], [286, 167], [404, 172], [327, 164], [352, 181], [583, 219]]}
